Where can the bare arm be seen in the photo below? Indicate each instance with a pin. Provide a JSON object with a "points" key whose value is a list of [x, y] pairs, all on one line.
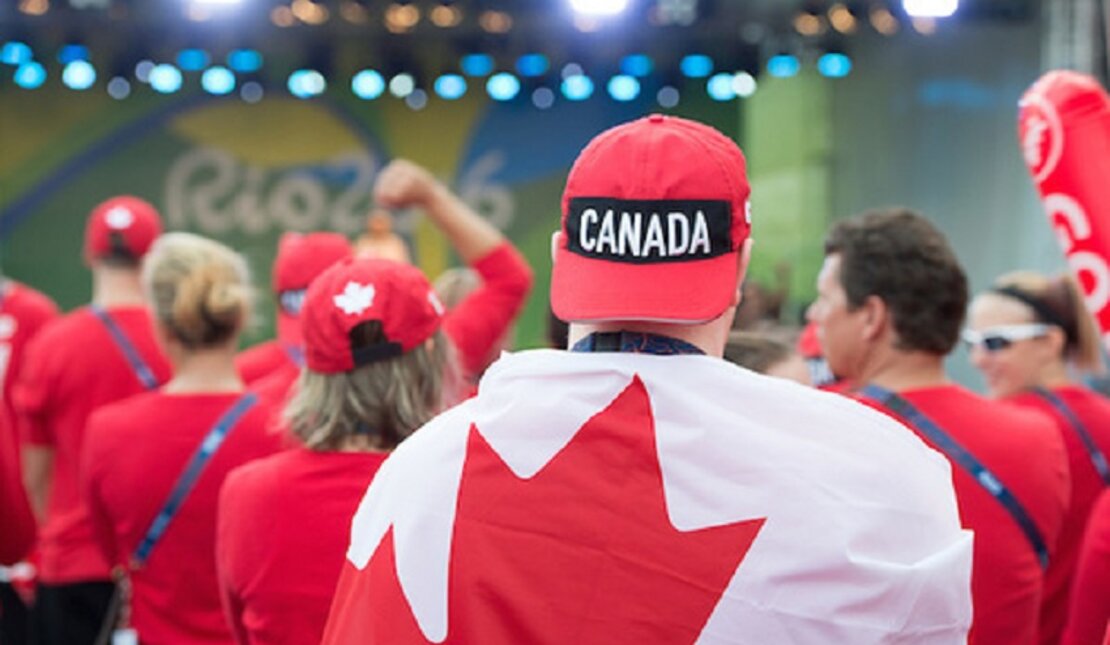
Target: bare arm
{"points": [[403, 183]]}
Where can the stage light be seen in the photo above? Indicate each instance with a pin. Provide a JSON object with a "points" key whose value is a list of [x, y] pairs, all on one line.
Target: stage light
{"points": [[244, 61], [73, 53], [624, 88], [834, 65], [282, 16], [446, 16], [743, 84], [417, 100], [143, 69], [883, 21], [216, 2], [165, 79], [307, 83], [696, 66], [599, 7], [310, 12], [924, 26], [251, 92], [450, 87], [368, 84], [578, 87], [30, 75], [218, 80], [842, 19], [192, 60], [34, 7], [400, 18], [783, 66], [402, 85], [571, 69], [79, 75], [809, 24], [119, 88], [930, 8], [15, 53], [668, 97], [637, 65], [503, 87], [532, 65], [719, 87], [496, 22], [477, 64], [543, 98]]}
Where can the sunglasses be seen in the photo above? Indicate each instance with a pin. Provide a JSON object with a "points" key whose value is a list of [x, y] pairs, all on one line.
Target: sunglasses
{"points": [[996, 339]]}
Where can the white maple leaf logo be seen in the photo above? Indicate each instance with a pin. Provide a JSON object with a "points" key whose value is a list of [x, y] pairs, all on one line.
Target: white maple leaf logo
{"points": [[433, 299], [355, 299], [1033, 141], [119, 218], [8, 326]]}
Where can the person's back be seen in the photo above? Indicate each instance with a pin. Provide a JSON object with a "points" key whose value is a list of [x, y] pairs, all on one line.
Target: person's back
{"points": [[23, 313], [640, 489], [1006, 580], [1089, 613], [152, 465]]}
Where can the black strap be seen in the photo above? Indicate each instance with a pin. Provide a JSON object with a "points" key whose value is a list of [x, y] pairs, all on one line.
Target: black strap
{"points": [[964, 459], [1039, 306], [134, 358], [1098, 458], [634, 343], [188, 478]]}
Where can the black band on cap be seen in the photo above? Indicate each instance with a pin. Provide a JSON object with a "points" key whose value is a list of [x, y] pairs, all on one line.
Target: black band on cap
{"points": [[648, 231], [375, 353], [1044, 312]]}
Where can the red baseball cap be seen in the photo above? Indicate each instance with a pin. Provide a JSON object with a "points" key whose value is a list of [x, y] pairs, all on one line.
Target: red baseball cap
{"points": [[123, 226], [655, 213], [300, 258], [357, 290]]}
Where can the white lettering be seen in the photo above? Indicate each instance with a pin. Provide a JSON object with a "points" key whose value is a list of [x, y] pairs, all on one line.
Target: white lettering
{"points": [[628, 237], [700, 241], [654, 238], [1085, 262], [1068, 218], [678, 228], [584, 239], [608, 233]]}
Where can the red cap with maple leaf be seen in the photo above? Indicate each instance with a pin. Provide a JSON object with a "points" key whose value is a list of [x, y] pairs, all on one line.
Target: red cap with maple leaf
{"points": [[655, 213], [300, 258], [358, 290], [123, 226]]}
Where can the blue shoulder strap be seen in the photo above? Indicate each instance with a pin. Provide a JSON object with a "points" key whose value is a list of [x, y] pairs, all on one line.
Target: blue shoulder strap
{"points": [[294, 353], [188, 478], [134, 358], [964, 459], [1098, 458]]}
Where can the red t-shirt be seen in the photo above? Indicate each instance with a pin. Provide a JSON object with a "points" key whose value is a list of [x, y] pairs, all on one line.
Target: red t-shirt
{"points": [[1089, 611], [23, 312], [134, 453], [1024, 450], [284, 527], [18, 533], [1093, 411], [72, 367], [479, 322]]}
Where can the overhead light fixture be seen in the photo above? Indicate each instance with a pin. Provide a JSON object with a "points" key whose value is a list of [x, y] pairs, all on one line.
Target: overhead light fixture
{"points": [[599, 7], [930, 8]]}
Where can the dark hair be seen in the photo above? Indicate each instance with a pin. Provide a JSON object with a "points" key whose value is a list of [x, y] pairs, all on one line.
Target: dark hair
{"points": [[900, 257], [757, 351]]}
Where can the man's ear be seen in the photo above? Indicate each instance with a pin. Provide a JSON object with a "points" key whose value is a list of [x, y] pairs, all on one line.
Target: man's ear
{"points": [[742, 270], [876, 317]]}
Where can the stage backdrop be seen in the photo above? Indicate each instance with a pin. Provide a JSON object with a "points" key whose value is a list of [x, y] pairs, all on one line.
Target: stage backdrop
{"points": [[243, 173]]}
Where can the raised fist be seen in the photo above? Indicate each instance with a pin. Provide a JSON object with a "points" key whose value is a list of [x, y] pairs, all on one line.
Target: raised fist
{"points": [[403, 183]]}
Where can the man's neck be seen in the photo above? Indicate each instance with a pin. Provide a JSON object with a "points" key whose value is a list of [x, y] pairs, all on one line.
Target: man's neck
{"points": [[114, 287], [706, 337], [898, 371]]}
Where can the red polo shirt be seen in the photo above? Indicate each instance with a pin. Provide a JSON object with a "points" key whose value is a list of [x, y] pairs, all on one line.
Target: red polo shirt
{"points": [[1089, 612], [1025, 451], [134, 453], [284, 527], [73, 366]]}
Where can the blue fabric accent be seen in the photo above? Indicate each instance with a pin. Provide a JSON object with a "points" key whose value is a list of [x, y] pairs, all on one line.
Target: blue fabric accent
{"points": [[295, 353], [188, 479], [634, 343], [1098, 458], [964, 459], [134, 358]]}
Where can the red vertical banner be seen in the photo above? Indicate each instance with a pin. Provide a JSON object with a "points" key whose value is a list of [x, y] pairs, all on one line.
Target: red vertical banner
{"points": [[1064, 128]]}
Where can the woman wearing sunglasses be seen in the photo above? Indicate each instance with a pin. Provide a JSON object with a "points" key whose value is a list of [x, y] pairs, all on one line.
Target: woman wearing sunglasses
{"points": [[1031, 336]]}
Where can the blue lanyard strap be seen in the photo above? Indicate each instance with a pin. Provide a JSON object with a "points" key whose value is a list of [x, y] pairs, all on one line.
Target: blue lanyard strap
{"points": [[1098, 458], [964, 459], [188, 479], [634, 343], [138, 365], [295, 353]]}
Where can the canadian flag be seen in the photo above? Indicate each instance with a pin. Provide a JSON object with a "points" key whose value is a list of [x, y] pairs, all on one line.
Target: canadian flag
{"points": [[601, 498]]}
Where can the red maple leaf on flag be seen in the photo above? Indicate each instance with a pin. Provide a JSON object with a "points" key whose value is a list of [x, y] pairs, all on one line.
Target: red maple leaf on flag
{"points": [[582, 552]]}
